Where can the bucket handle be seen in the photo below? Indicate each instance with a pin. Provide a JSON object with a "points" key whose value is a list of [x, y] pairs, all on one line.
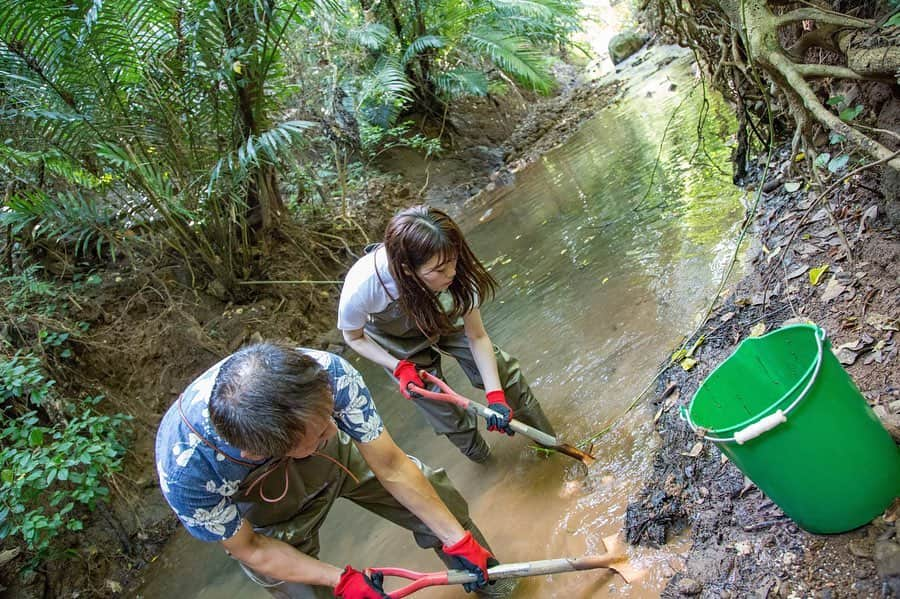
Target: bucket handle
{"points": [[769, 422]]}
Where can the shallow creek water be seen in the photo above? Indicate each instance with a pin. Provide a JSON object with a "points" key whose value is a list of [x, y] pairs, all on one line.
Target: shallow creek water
{"points": [[593, 296]]}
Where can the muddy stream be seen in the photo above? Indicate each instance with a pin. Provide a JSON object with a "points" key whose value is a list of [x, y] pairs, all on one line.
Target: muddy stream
{"points": [[593, 296]]}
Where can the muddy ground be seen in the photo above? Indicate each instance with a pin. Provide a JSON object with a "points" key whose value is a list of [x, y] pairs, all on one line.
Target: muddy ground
{"points": [[152, 332]]}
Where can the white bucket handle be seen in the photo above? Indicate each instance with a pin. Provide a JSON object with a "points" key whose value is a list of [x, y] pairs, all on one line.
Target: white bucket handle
{"points": [[769, 422]]}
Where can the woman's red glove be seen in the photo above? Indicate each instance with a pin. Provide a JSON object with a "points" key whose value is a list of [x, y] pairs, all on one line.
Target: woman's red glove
{"points": [[497, 402], [467, 554], [407, 373], [356, 585]]}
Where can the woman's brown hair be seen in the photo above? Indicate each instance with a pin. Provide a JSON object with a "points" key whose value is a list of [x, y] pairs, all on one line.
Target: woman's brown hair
{"points": [[412, 237]]}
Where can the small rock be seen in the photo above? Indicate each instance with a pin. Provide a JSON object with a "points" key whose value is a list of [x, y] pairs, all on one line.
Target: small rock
{"points": [[824, 594], [856, 548], [622, 45], [9, 555], [689, 586], [788, 558]]}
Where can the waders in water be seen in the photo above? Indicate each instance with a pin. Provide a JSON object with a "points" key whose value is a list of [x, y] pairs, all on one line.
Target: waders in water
{"points": [[398, 334], [290, 499]]}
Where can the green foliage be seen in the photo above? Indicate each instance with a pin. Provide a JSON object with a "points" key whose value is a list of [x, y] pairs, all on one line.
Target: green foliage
{"points": [[431, 52], [848, 114], [376, 140], [894, 21], [21, 377], [164, 109], [27, 292], [835, 138], [47, 471]]}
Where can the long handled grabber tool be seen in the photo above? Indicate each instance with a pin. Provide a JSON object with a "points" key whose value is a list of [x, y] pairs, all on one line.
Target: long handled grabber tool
{"points": [[614, 559], [449, 395]]}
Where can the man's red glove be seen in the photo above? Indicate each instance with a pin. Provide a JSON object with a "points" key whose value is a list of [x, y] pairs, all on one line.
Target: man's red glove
{"points": [[407, 372], [467, 554], [497, 402], [356, 585]]}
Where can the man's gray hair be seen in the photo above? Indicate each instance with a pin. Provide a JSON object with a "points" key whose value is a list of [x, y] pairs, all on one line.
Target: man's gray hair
{"points": [[264, 396]]}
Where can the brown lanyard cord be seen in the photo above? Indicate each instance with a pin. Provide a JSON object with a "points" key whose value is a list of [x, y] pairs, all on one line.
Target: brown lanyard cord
{"points": [[269, 469]]}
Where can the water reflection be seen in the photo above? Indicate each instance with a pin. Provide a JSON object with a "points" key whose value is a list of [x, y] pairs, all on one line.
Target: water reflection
{"points": [[593, 295]]}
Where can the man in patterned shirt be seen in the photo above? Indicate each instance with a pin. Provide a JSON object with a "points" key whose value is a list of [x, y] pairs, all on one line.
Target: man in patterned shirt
{"points": [[257, 449]]}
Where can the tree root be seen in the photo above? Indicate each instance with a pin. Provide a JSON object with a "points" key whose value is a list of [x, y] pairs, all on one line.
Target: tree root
{"points": [[741, 45]]}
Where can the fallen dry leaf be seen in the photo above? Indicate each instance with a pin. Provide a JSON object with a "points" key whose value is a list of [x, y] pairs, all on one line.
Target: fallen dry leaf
{"points": [[797, 272], [870, 214], [695, 451], [726, 317], [758, 329], [882, 322], [832, 290], [846, 356]]}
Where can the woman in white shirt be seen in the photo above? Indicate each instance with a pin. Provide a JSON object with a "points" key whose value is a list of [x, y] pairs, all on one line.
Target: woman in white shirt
{"points": [[417, 296]]}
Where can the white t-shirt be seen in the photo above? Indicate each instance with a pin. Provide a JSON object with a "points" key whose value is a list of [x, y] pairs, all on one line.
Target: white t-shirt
{"points": [[363, 294]]}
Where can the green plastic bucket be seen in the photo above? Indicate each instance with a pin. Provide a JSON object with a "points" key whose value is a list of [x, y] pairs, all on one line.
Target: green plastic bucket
{"points": [[785, 412]]}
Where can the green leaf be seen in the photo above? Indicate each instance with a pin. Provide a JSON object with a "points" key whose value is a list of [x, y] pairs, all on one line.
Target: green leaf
{"points": [[74, 525], [894, 21], [835, 100], [36, 437], [688, 363], [7, 476], [838, 163], [848, 114], [822, 159], [815, 274], [835, 138]]}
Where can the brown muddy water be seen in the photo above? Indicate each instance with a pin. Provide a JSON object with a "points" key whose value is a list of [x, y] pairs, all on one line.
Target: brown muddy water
{"points": [[593, 297]]}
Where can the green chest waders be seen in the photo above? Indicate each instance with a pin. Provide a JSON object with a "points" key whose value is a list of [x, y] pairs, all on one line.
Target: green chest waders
{"points": [[290, 499]]}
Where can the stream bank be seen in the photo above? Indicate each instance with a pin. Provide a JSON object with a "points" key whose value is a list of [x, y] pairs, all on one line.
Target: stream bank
{"points": [[743, 545]]}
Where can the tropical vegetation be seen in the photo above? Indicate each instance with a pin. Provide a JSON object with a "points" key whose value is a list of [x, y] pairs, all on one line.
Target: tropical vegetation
{"points": [[196, 132]]}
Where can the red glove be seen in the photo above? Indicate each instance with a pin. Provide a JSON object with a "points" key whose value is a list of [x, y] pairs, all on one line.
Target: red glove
{"points": [[497, 402], [407, 373], [356, 585], [467, 554]]}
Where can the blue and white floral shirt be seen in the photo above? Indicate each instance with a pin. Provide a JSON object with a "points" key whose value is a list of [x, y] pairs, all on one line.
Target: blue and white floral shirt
{"points": [[199, 481]]}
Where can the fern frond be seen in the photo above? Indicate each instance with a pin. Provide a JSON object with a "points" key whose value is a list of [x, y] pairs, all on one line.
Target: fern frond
{"points": [[371, 36], [420, 45], [461, 82], [515, 56]]}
